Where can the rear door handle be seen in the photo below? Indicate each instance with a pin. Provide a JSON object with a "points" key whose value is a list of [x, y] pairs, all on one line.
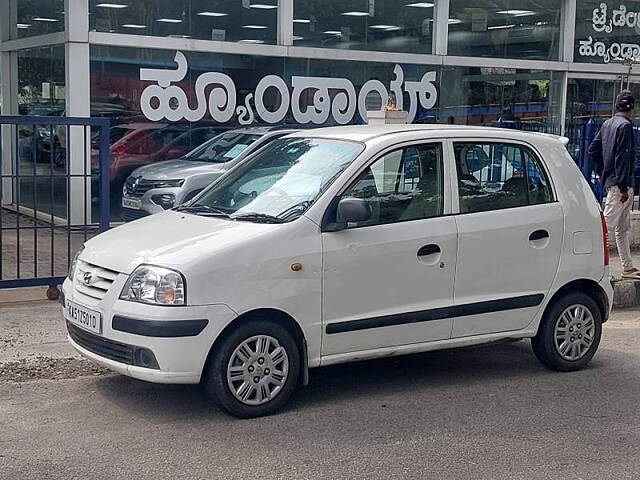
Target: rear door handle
{"points": [[538, 235], [429, 250]]}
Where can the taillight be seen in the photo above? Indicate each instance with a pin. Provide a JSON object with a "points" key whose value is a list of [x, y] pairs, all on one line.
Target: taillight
{"points": [[605, 240], [120, 149]]}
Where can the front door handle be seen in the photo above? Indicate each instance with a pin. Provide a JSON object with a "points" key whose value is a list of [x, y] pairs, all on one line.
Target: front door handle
{"points": [[429, 250], [538, 235]]}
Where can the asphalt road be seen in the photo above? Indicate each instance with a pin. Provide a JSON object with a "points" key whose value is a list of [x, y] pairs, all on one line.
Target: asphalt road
{"points": [[478, 413]]}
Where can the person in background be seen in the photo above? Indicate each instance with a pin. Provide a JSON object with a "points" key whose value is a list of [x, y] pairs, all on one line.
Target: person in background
{"points": [[613, 151]]}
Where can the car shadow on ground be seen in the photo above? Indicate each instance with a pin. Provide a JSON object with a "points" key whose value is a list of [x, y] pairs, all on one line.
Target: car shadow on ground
{"points": [[419, 373]]}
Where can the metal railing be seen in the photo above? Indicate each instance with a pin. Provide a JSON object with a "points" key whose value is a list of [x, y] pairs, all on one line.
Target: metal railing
{"points": [[54, 189]]}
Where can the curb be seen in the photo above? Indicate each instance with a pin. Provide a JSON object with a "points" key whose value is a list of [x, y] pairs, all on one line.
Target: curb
{"points": [[626, 293]]}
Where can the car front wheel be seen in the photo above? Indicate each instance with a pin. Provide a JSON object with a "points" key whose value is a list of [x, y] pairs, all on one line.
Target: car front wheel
{"points": [[569, 334], [254, 370]]}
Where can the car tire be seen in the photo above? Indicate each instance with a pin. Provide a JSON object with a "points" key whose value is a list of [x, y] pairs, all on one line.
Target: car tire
{"points": [[238, 356], [569, 333]]}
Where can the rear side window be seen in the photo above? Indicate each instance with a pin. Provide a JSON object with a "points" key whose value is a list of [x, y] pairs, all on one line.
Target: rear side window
{"points": [[495, 176]]}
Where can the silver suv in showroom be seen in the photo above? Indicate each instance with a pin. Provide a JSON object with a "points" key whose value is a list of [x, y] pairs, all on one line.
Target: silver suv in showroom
{"points": [[164, 185]]}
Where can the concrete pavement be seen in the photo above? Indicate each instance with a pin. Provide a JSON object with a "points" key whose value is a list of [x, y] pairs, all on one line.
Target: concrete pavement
{"points": [[491, 412]]}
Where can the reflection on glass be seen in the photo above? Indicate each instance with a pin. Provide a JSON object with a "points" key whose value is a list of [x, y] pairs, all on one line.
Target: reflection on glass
{"points": [[42, 149], [223, 148], [501, 97], [494, 176], [383, 25], [280, 182], [39, 17], [523, 29], [606, 31], [248, 21]]}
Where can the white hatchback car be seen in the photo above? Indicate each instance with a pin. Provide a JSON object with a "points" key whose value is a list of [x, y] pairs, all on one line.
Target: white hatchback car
{"points": [[349, 243]]}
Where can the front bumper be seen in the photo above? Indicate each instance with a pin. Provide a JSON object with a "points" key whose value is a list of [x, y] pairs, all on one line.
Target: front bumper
{"points": [[180, 350]]}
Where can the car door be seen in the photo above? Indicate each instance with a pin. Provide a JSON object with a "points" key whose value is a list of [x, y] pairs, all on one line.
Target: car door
{"points": [[389, 281], [510, 231]]}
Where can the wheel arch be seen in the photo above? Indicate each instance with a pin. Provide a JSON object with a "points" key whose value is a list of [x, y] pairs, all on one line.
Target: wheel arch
{"points": [[589, 287], [274, 315]]}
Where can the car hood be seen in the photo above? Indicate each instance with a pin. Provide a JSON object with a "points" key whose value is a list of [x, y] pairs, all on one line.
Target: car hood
{"points": [[173, 169], [170, 239]]}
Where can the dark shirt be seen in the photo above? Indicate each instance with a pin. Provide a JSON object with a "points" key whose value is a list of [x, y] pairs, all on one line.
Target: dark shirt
{"points": [[613, 152]]}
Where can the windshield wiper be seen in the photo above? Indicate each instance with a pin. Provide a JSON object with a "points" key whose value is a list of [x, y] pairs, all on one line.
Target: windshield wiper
{"points": [[297, 209], [258, 217], [204, 210], [205, 159]]}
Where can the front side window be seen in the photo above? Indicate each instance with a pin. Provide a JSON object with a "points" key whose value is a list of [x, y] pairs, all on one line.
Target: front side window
{"points": [[280, 182], [403, 185], [494, 176]]}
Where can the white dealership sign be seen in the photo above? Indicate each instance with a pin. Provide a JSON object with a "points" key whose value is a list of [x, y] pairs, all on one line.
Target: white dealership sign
{"points": [[164, 101], [606, 20]]}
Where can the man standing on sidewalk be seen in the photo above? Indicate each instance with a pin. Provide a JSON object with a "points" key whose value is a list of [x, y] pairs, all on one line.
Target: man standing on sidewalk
{"points": [[614, 153]]}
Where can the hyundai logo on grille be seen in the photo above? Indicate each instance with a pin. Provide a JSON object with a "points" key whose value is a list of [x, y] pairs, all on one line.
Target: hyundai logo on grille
{"points": [[136, 182]]}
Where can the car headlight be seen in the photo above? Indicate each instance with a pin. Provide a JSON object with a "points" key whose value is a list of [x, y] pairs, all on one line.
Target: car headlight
{"points": [[155, 286], [168, 183], [74, 263]]}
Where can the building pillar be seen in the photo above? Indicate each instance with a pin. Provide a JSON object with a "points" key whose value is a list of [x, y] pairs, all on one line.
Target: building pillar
{"points": [[285, 22], [440, 27], [568, 30], [77, 104], [8, 99]]}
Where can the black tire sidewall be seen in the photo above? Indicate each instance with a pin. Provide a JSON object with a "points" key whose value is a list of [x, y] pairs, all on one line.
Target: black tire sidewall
{"points": [[544, 342], [215, 379]]}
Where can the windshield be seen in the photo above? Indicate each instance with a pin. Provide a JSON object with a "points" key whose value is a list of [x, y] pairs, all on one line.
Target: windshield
{"points": [[280, 182], [223, 148]]}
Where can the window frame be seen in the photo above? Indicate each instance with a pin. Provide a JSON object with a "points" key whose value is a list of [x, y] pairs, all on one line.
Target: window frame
{"points": [[455, 194], [447, 192]]}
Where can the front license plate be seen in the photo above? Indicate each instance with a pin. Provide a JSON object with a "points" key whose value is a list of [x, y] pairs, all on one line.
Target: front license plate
{"points": [[83, 317], [134, 203]]}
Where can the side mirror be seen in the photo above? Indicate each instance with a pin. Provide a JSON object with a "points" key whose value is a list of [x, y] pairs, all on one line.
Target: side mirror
{"points": [[352, 210]]}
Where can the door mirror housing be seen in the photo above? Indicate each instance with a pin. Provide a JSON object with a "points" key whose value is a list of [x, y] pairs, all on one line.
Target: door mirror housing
{"points": [[350, 210]]}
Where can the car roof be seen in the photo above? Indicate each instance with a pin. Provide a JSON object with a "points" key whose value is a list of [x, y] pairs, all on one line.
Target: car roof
{"points": [[364, 133], [263, 130]]}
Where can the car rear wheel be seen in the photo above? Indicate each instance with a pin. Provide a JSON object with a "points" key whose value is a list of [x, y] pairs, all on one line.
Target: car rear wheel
{"points": [[254, 370], [569, 334]]}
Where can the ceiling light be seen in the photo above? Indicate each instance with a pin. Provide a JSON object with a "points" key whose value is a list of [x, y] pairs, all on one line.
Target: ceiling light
{"points": [[133, 25], [111, 5], [454, 21], [251, 41], [255, 27], [44, 19], [169, 20], [263, 6], [355, 14], [517, 13], [295, 37], [500, 27], [212, 14], [420, 5], [23, 25], [301, 20], [392, 29], [382, 27], [333, 32]]}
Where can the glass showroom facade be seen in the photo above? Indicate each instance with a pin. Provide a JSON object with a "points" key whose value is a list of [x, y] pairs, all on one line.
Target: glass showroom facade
{"points": [[182, 70]]}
